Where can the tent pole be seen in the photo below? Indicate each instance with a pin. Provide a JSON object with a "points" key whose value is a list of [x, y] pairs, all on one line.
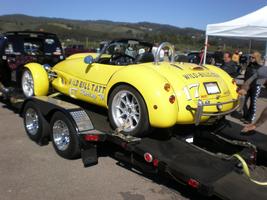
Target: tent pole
{"points": [[249, 48], [205, 49], [265, 57]]}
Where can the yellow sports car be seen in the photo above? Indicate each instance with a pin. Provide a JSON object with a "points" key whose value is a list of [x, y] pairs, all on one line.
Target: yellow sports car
{"points": [[139, 90]]}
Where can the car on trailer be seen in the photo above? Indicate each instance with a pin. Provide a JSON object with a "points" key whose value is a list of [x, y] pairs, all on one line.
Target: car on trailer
{"points": [[18, 48], [139, 90]]}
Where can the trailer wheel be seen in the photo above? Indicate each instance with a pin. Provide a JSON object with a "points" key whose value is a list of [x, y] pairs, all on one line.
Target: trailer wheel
{"points": [[37, 128], [64, 137], [127, 106]]}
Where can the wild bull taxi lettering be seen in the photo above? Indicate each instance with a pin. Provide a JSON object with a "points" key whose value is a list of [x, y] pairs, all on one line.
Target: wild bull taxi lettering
{"points": [[200, 75], [88, 89]]}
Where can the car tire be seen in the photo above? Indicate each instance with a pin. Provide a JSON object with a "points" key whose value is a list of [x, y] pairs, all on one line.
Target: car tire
{"points": [[27, 83], [134, 113], [64, 137], [34, 80], [36, 126]]}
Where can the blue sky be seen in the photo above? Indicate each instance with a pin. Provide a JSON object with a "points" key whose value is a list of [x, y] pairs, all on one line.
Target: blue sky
{"points": [[186, 13]]}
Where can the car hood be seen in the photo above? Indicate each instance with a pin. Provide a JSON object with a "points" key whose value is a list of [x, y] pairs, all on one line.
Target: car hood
{"points": [[192, 78]]}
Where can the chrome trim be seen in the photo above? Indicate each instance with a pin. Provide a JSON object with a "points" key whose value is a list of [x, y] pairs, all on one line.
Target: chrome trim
{"points": [[163, 45], [125, 110], [61, 135], [31, 121], [199, 110], [27, 83]]}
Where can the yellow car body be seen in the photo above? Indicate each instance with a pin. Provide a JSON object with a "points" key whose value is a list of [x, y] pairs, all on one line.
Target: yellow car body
{"points": [[93, 83], [158, 84]]}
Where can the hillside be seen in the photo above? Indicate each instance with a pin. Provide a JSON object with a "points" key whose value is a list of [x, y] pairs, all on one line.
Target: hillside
{"points": [[90, 32]]}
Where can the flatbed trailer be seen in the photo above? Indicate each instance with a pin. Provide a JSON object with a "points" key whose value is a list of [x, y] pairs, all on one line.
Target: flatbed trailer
{"points": [[197, 157]]}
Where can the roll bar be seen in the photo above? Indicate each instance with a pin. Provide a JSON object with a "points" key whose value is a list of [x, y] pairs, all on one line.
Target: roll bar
{"points": [[162, 46]]}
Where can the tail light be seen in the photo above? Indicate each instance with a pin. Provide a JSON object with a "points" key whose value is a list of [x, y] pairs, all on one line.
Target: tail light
{"points": [[172, 99], [193, 183], [148, 157], [156, 162], [91, 138]]}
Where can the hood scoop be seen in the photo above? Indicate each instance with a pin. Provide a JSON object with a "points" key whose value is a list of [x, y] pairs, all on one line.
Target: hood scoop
{"points": [[177, 66], [197, 68]]}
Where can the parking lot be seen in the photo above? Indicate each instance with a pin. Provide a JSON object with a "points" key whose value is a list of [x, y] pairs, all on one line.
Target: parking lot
{"points": [[30, 172]]}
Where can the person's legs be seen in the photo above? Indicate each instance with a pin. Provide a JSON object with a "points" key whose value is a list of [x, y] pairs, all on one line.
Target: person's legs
{"points": [[262, 119], [254, 94], [245, 108]]}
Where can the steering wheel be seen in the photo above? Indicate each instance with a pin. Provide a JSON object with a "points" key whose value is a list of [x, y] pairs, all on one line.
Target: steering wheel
{"points": [[121, 59]]}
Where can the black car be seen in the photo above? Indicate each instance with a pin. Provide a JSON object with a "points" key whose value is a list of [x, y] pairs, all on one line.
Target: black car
{"points": [[194, 57], [22, 47]]}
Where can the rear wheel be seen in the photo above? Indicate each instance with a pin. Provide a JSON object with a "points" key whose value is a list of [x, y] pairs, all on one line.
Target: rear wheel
{"points": [[64, 137], [127, 110]]}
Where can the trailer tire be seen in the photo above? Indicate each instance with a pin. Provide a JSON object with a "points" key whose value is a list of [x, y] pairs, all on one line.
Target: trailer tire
{"points": [[64, 136], [36, 126]]}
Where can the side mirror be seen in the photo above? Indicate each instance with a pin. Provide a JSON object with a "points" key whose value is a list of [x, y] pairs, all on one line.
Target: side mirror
{"points": [[88, 60]]}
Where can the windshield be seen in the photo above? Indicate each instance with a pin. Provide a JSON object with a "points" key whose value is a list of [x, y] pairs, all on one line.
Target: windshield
{"points": [[28, 45]]}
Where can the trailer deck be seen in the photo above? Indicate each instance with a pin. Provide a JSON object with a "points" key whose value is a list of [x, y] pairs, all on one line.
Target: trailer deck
{"points": [[204, 166]]}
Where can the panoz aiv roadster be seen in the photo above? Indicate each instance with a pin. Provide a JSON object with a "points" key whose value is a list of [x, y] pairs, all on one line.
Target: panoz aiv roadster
{"points": [[139, 90]]}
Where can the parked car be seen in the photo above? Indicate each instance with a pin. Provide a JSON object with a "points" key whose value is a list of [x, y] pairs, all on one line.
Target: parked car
{"points": [[194, 57], [181, 57], [21, 47], [138, 90]]}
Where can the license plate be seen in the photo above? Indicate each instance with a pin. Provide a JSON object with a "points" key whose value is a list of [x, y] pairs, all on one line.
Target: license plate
{"points": [[212, 88]]}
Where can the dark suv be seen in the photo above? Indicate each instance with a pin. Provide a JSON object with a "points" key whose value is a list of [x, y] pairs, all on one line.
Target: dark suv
{"points": [[22, 47]]}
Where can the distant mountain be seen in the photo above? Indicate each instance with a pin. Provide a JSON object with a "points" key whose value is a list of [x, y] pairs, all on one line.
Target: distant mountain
{"points": [[90, 32]]}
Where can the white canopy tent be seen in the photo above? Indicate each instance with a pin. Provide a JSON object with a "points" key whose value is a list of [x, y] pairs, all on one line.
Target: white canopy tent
{"points": [[250, 26]]}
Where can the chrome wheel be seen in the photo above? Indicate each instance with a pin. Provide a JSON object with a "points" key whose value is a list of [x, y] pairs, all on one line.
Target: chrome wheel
{"points": [[61, 135], [31, 121], [126, 110], [27, 84]]}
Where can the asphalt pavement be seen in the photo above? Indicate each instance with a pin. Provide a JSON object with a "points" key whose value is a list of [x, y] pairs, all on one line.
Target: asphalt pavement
{"points": [[31, 172]]}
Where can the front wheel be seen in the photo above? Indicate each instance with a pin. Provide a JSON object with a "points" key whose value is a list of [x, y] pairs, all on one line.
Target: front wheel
{"points": [[27, 83], [34, 80], [127, 110]]}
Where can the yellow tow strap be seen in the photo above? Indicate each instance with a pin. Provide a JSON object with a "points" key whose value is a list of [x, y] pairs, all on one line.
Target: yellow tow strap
{"points": [[246, 170]]}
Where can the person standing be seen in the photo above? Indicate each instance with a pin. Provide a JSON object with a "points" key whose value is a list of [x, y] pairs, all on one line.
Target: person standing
{"points": [[236, 57], [261, 77], [249, 111], [229, 66]]}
